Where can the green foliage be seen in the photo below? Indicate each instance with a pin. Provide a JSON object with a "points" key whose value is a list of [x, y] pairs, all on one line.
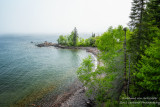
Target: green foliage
{"points": [[111, 103], [145, 19], [138, 26], [90, 42], [143, 44], [62, 40], [84, 71], [111, 40], [102, 83], [75, 35], [137, 12], [70, 39], [81, 42], [74, 40], [149, 68], [111, 44], [144, 51], [152, 13]]}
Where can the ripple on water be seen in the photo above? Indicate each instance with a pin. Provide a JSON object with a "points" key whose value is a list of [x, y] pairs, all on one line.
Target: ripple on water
{"points": [[27, 73]]}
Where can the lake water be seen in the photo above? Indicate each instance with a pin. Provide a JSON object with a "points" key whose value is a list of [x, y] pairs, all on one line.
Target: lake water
{"points": [[28, 73]]}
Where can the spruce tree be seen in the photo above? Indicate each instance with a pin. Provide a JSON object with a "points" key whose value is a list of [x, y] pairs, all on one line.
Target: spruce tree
{"points": [[153, 13], [93, 35], [149, 75], [145, 25], [137, 13], [75, 37], [137, 26]]}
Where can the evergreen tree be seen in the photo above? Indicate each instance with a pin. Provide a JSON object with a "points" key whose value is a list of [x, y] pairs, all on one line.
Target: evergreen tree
{"points": [[153, 13], [149, 75], [138, 28], [137, 13], [93, 35], [145, 19], [70, 39], [75, 37], [143, 50], [152, 19]]}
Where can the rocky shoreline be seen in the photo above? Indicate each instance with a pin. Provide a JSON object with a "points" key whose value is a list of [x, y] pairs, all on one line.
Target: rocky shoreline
{"points": [[75, 97], [92, 50]]}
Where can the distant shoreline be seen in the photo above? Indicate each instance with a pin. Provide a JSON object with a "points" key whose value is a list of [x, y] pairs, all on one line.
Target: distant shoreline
{"points": [[92, 50]]}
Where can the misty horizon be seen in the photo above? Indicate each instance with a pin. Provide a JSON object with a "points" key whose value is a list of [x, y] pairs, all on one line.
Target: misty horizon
{"points": [[60, 16]]}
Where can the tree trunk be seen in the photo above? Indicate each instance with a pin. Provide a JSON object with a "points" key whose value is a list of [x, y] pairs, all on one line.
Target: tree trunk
{"points": [[125, 80]]}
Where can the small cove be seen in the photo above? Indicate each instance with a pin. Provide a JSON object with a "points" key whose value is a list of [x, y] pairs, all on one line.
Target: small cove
{"points": [[28, 73]]}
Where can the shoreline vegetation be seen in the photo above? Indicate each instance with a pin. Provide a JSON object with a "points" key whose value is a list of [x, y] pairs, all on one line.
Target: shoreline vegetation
{"points": [[75, 96], [130, 59], [90, 49]]}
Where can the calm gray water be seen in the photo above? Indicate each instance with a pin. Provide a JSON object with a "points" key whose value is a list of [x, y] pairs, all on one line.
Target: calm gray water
{"points": [[27, 72]]}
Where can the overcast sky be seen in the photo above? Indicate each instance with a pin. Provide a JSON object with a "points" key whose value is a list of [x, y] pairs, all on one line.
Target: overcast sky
{"points": [[61, 16]]}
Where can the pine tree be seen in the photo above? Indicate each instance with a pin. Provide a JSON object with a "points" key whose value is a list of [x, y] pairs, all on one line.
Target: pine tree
{"points": [[75, 37], [93, 35], [149, 75], [137, 26], [137, 13], [153, 13], [152, 20], [145, 23]]}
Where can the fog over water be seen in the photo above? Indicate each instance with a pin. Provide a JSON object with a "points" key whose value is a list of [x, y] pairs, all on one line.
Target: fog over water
{"points": [[61, 16]]}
